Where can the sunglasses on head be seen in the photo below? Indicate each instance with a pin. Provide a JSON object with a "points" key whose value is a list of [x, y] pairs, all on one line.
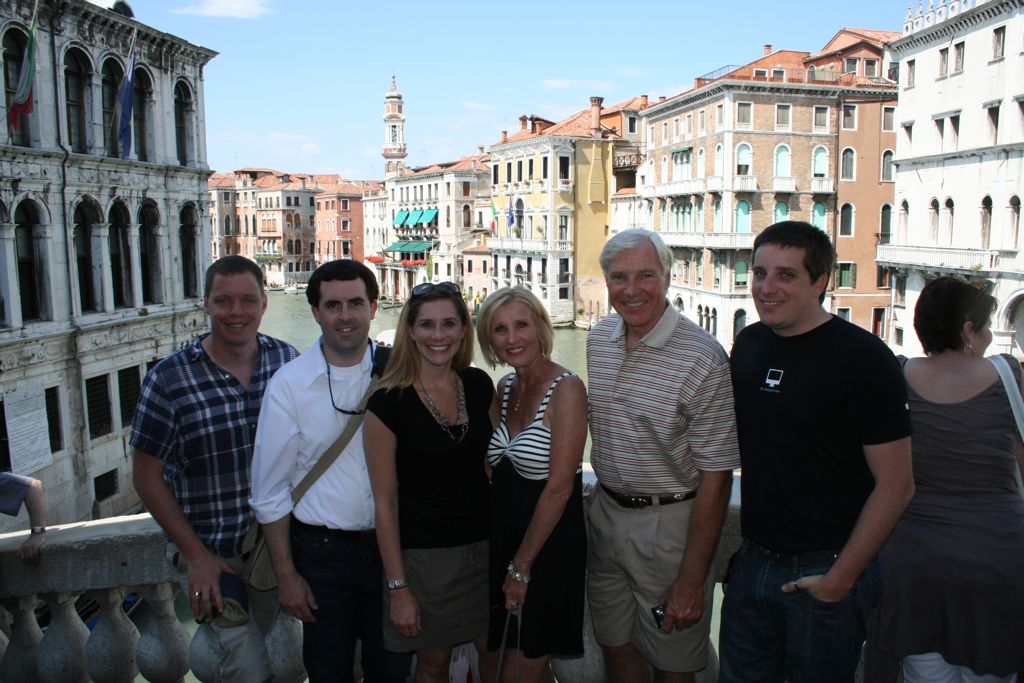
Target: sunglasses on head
{"points": [[428, 287]]}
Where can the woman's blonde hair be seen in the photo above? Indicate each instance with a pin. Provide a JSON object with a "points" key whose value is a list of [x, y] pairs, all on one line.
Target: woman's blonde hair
{"points": [[508, 295], [404, 364]]}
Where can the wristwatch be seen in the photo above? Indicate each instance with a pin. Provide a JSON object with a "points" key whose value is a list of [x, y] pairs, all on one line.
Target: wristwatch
{"points": [[395, 584], [38, 530]]}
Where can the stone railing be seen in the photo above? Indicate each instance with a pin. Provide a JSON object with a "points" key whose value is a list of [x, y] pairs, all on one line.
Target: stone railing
{"points": [[105, 559]]}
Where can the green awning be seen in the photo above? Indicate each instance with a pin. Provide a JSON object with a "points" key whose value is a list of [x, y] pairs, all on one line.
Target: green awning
{"points": [[400, 218], [417, 247], [395, 246], [428, 216], [414, 217]]}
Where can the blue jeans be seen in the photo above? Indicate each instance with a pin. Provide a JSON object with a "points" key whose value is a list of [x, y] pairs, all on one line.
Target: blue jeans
{"points": [[344, 572], [769, 636]]}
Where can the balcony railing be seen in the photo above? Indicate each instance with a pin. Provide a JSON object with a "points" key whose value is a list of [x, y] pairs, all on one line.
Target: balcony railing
{"points": [[645, 190], [105, 559], [780, 184], [744, 183], [729, 240], [564, 185], [823, 185], [938, 257], [676, 187], [694, 240], [715, 183], [514, 244], [267, 256]]}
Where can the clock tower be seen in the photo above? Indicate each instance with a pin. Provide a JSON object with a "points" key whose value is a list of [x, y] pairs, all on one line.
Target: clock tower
{"points": [[394, 133]]}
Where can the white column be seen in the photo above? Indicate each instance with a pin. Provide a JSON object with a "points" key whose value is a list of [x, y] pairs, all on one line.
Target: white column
{"points": [[103, 280], [9, 276], [135, 256]]}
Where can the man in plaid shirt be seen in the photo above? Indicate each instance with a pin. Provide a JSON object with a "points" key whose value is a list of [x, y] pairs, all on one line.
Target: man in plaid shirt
{"points": [[193, 438]]}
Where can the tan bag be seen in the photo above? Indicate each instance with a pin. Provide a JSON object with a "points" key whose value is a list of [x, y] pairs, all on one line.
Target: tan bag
{"points": [[258, 571]]}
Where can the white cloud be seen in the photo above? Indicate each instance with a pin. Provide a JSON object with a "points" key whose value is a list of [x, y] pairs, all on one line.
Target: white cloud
{"points": [[292, 145], [470, 104], [566, 83], [234, 9]]}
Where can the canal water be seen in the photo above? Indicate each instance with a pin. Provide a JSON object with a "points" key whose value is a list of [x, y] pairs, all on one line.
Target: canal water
{"points": [[288, 317]]}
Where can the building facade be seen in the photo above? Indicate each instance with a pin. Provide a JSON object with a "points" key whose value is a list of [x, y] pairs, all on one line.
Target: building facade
{"points": [[102, 257], [959, 160]]}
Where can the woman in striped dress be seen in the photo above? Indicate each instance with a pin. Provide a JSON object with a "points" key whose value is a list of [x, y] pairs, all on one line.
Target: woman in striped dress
{"points": [[538, 541]]}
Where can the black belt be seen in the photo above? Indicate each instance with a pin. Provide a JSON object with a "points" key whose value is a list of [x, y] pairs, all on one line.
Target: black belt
{"points": [[806, 559], [337, 534], [646, 501]]}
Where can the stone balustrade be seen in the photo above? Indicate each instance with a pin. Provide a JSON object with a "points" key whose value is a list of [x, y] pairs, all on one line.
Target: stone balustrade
{"points": [[105, 559]]}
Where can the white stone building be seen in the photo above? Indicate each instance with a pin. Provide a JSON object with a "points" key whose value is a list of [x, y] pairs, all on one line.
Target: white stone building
{"points": [[101, 259], [960, 160]]}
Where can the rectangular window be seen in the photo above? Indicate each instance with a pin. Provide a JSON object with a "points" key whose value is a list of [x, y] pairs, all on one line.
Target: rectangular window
{"points": [[882, 277], [820, 119], [843, 313], [943, 61], [53, 419], [465, 188], [954, 131], [631, 124], [908, 132], [689, 125], [105, 485], [778, 74], [128, 386], [508, 171], [664, 132], [543, 168], [97, 399], [958, 57], [850, 65], [998, 42], [849, 117], [494, 175], [940, 132], [701, 121], [744, 114], [847, 275], [878, 322], [519, 171], [889, 118], [469, 265], [871, 68], [719, 116], [563, 168], [782, 116], [760, 73], [484, 263], [675, 128], [344, 205], [911, 73], [993, 124], [529, 170]]}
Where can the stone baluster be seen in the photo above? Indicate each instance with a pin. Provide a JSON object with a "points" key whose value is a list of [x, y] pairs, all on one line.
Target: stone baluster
{"points": [[19, 661], [162, 650], [110, 650], [62, 649]]}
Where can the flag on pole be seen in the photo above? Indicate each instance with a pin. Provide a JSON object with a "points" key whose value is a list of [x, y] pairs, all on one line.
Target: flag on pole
{"points": [[125, 102], [494, 217], [21, 103], [511, 216]]}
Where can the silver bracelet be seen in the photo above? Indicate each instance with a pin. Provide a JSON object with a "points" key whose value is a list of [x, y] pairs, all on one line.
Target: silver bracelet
{"points": [[516, 576]]}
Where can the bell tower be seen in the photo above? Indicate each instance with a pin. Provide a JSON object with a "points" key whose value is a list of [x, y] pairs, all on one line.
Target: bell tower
{"points": [[394, 133]]}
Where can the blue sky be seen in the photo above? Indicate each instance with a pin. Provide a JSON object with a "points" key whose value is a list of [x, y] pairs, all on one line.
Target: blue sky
{"points": [[299, 85]]}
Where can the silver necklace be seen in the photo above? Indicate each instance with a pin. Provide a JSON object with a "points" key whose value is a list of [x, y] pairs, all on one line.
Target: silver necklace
{"points": [[455, 429]]}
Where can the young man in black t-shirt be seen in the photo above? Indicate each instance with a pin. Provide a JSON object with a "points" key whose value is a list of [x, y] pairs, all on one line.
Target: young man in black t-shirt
{"points": [[825, 443]]}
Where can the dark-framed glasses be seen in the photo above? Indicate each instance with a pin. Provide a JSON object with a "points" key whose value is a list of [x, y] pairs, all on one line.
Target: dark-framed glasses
{"points": [[428, 287], [330, 391]]}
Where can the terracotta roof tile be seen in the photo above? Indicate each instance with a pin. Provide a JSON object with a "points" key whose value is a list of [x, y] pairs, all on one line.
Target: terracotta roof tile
{"points": [[625, 191]]}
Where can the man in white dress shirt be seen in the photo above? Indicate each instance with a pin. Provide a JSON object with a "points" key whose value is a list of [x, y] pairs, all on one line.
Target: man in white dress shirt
{"points": [[324, 548]]}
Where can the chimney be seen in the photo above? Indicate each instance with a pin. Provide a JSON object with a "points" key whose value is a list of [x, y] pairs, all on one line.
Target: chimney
{"points": [[522, 122], [643, 101], [767, 49], [661, 98], [504, 136], [479, 149], [595, 117]]}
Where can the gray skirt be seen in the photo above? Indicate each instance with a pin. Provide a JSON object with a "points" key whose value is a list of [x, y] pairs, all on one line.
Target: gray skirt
{"points": [[450, 587]]}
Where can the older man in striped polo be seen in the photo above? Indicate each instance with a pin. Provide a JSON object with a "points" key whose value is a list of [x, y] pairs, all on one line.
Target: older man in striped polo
{"points": [[664, 447]]}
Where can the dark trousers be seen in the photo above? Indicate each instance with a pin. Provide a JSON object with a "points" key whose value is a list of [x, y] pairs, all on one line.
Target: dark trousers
{"points": [[769, 636], [344, 572]]}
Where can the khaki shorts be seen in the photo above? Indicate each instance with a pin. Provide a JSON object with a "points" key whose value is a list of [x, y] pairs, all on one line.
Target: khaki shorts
{"points": [[633, 556]]}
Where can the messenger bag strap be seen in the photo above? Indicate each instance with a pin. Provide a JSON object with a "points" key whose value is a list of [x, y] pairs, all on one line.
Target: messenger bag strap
{"points": [[335, 449]]}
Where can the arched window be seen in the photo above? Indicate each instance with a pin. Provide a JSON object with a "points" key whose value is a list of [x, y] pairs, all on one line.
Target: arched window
{"points": [[1014, 221], [718, 215], [14, 52], [820, 163], [811, 74], [467, 216], [149, 250], [120, 256], [846, 220], [246, 219], [182, 122], [743, 216], [887, 167], [141, 115], [986, 222], [700, 163], [739, 321], [818, 215], [76, 81], [520, 222], [885, 225], [664, 169], [849, 165], [781, 211], [948, 232], [743, 155], [904, 221], [227, 226], [188, 234], [30, 285], [714, 322], [111, 80], [85, 218], [718, 159], [933, 219], [740, 275], [782, 165]]}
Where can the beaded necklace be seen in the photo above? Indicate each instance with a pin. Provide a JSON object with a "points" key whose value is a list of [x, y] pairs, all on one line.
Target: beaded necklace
{"points": [[455, 429]]}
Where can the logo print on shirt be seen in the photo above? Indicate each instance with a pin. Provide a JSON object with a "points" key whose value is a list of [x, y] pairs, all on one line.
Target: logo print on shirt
{"points": [[772, 381]]}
